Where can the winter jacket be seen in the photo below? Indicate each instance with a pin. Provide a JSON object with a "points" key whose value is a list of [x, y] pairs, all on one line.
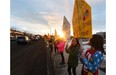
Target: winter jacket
{"points": [[73, 55]]}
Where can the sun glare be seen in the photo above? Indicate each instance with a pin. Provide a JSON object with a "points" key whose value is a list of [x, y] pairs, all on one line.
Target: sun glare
{"points": [[61, 34]]}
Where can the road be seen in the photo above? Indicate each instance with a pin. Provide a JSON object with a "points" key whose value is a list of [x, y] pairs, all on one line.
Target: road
{"points": [[29, 59]]}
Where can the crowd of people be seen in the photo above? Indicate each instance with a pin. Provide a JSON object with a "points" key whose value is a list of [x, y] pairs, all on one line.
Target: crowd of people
{"points": [[91, 59]]}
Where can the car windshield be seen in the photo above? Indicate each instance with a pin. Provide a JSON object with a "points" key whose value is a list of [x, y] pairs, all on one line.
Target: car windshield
{"points": [[21, 37]]}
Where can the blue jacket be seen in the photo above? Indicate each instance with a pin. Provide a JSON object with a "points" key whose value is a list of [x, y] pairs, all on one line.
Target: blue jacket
{"points": [[96, 61]]}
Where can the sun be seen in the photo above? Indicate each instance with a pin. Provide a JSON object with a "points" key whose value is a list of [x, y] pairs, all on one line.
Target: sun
{"points": [[61, 34]]}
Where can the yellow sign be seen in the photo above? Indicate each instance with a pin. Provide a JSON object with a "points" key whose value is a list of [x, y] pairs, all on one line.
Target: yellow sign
{"points": [[82, 24]]}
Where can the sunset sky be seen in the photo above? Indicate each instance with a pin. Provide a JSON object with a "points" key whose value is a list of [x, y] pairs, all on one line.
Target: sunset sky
{"points": [[44, 16]]}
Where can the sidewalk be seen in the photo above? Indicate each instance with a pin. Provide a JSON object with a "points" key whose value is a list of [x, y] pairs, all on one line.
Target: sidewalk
{"points": [[62, 69]]}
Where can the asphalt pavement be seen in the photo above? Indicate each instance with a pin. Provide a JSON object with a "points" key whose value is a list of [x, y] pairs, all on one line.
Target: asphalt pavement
{"points": [[28, 59]]}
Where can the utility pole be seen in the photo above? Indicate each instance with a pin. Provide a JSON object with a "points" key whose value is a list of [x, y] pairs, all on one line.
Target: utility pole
{"points": [[49, 27]]}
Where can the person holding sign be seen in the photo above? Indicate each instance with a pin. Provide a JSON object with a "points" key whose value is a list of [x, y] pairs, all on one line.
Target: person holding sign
{"points": [[73, 51], [93, 56]]}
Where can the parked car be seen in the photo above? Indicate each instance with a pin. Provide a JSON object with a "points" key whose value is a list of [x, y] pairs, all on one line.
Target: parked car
{"points": [[12, 38], [35, 38], [23, 39]]}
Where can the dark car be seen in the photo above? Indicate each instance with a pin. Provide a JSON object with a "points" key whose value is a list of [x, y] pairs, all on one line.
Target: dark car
{"points": [[23, 39]]}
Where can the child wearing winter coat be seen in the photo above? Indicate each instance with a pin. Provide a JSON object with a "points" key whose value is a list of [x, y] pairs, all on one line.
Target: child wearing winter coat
{"points": [[73, 52]]}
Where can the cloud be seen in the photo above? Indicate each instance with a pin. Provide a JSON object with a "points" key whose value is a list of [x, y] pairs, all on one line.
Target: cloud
{"points": [[95, 2], [31, 17], [39, 15], [27, 26], [37, 11]]}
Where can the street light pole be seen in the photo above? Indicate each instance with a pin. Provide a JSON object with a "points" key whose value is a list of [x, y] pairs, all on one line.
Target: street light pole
{"points": [[50, 27]]}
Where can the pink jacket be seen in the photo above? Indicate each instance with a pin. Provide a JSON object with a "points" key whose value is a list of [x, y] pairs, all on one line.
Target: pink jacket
{"points": [[60, 46]]}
